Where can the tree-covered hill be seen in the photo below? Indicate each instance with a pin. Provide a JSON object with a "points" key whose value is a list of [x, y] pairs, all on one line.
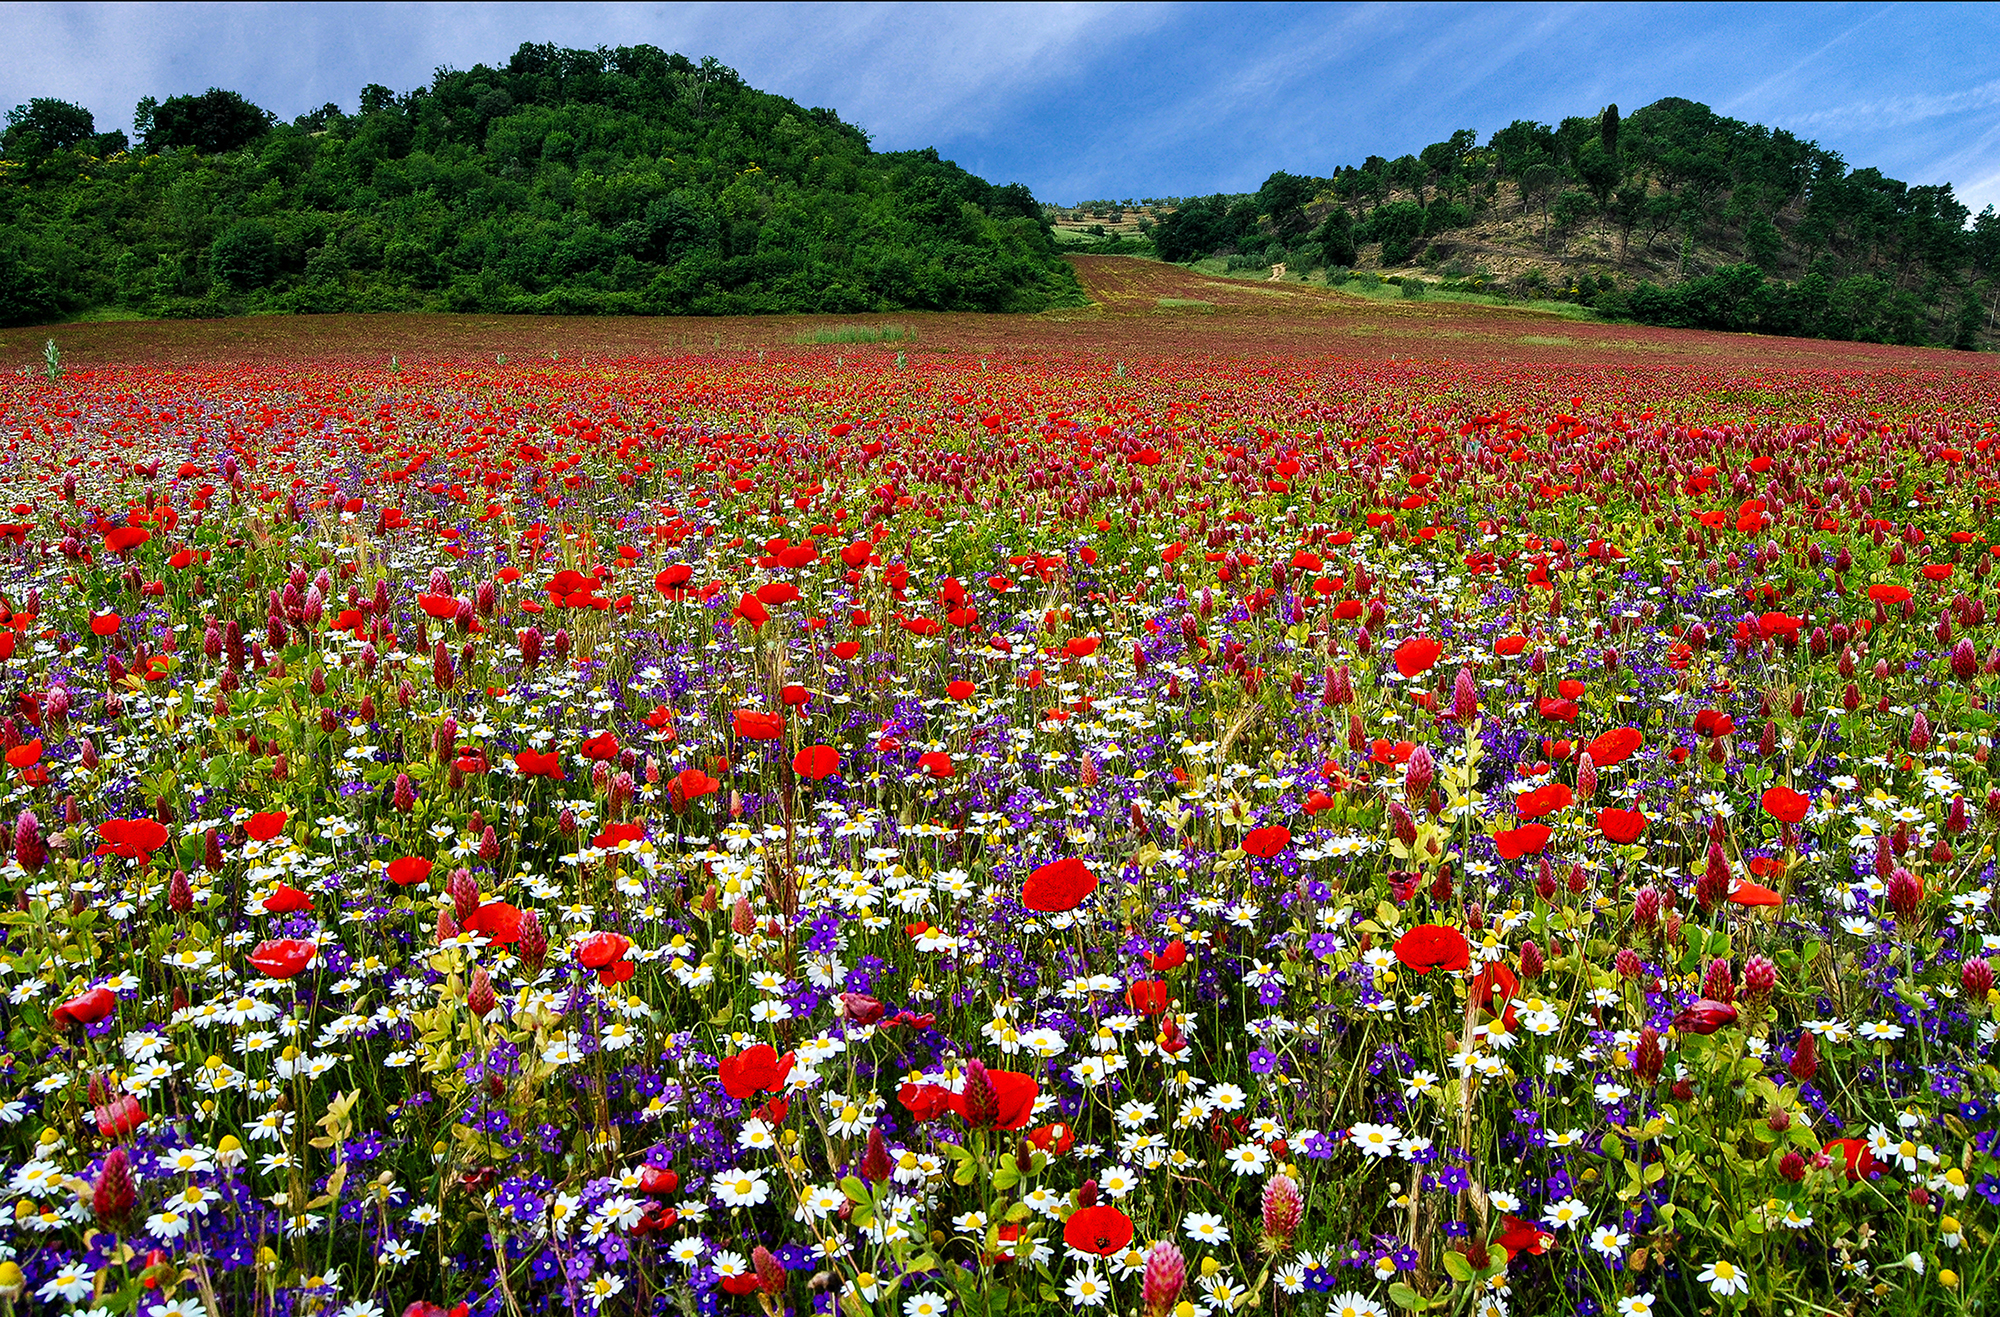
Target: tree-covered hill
{"points": [[623, 181], [1674, 215]]}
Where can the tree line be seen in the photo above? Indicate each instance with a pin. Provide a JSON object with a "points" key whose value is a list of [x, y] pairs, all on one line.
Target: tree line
{"points": [[627, 181], [1809, 246]]}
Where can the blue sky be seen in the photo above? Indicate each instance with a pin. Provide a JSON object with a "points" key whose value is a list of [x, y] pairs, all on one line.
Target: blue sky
{"points": [[1128, 100]]}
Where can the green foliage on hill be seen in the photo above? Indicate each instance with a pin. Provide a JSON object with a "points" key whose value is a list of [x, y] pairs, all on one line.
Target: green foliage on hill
{"points": [[624, 181], [1717, 224]]}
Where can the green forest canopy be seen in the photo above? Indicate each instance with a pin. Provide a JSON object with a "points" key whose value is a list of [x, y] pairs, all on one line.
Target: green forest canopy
{"points": [[1818, 249], [566, 181]]}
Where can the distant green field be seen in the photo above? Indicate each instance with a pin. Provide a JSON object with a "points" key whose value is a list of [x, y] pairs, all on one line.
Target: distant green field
{"points": [[833, 334]]}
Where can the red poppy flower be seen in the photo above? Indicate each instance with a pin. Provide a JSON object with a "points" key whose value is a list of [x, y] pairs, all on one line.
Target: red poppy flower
{"points": [[775, 593], [1621, 826], [754, 726], [1518, 1236], [1528, 839], [1058, 885], [1705, 1016], [673, 580], [1014, 1094], [1544, 800], [1433, 946], [1101, 1229], [1785, 804], [119, 1117], [693, 784], [1390, 753], [1266, 843], [87, 1008], [287, 900], [1710, 723], [1149, 997], [1415, 656], [601, 949], [263, 827], [283, 958], [409, 870], [960, 690], [496, 921], [816, 763], [937, 763], [442, 606], [25, 756], [751, 609], [1753, 895], [1888, 595], [105, 624], [542, 763], [755, 1069], [1557, 711], [1615, 746], [924, 1102], [603, 746], [1855, 1154], [1056, 1140], [135, 839], [1171, 956]]}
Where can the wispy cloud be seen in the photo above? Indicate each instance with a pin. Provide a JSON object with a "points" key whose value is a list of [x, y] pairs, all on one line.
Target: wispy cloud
{"points": [[1085, 99]]}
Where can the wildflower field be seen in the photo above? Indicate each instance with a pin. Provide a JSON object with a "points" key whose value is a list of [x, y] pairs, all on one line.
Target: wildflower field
{"points": [[879, 833]]}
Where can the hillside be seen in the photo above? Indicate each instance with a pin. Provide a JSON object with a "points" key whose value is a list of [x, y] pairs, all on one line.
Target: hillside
{"points": [[623, 181], [1672, 216]]}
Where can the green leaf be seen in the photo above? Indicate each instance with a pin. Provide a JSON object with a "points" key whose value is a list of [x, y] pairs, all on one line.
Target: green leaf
{"points": [[1457, 1267], [854, 1188], [1404, 1297]]}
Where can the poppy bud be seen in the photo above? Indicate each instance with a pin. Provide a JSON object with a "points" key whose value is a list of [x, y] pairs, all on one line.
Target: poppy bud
{"points": [[859, 1009]]}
